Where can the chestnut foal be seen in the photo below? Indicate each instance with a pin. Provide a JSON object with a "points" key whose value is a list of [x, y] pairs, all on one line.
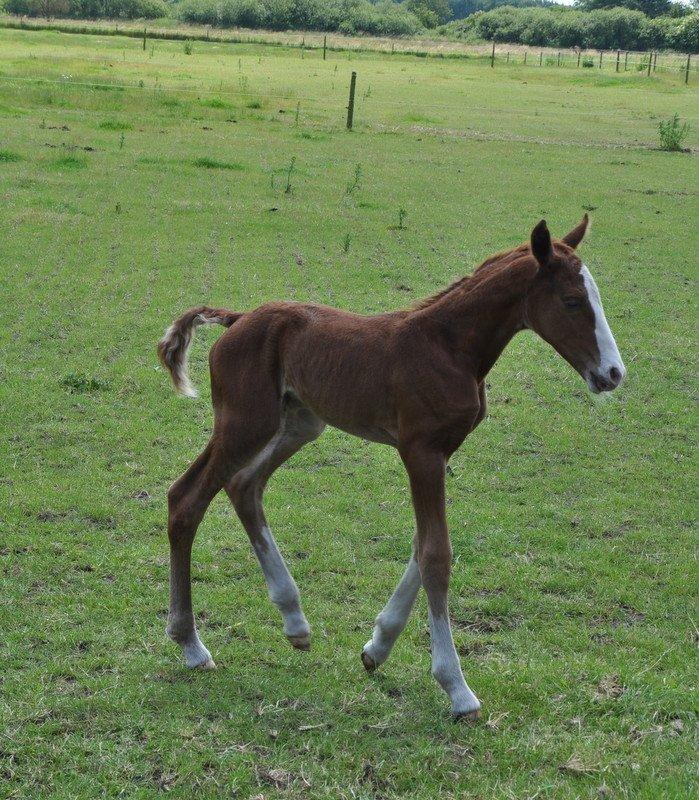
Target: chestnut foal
{"points": [[413, 379]]}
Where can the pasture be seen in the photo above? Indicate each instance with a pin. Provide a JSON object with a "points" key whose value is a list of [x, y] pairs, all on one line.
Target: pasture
{"points": [[136, 184]]}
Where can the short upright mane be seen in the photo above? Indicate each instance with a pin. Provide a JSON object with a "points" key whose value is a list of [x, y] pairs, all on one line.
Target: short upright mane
{"points": [[505, 257]]}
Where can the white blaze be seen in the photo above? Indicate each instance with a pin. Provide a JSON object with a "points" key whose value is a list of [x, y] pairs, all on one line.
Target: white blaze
{"points": [[608, 351]]}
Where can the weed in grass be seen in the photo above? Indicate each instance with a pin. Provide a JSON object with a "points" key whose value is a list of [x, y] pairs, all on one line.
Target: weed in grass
{"points": [[672, 133], [355, 183], [289, 172], [213, 163], [188, 47], [79, 383], [588, 63], [216, 102], [296, 115], [114, 125], [253, 104], [346, 243], [7, 156], [121, 141], [69, 162]]}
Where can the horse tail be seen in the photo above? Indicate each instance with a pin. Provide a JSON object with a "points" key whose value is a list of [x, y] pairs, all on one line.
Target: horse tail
{"points": [[173, 347]]}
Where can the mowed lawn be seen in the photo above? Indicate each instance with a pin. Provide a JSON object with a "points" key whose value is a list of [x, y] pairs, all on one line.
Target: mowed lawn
{"points": [[135, 184]]}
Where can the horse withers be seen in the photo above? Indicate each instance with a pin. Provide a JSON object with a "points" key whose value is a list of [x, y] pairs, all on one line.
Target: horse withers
{"points": [[412, 379]]}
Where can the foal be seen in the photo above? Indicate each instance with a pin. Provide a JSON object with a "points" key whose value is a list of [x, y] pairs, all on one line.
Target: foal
{"points": [[413, 379]]}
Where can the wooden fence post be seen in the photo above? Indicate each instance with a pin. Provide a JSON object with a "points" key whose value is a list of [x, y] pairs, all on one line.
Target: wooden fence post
{"points": [[618, 56], [144, 38], [508, 57], [578, 59], [350, 105], [325, 46], [650, 61], [655, 61], [601, 53], [541, 57], [686, 69], [525, 56], [492, 55], [626, 60]]}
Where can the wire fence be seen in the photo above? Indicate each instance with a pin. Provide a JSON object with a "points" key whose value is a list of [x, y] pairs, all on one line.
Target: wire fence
{"points": [[617, 61]]}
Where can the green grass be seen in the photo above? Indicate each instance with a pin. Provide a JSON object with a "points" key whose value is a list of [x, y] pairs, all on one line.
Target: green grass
{"points": [[572, 519], [212, 163]]}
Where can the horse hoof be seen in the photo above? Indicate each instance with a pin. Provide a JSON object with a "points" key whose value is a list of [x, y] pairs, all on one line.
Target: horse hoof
{"points": [[302, 642], [467, 717], [368, 661], [208, 664]]}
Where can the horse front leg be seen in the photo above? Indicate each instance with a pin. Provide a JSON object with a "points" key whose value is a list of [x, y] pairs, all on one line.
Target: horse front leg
{"points": [[393, 618], [426, 470]]}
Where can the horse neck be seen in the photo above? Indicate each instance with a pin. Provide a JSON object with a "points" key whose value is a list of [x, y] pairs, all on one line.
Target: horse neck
{"points": [[482, 313]]}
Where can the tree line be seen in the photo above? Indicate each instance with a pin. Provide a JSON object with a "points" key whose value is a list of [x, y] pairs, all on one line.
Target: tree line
{"points": [[630, 24], [598, 29]]}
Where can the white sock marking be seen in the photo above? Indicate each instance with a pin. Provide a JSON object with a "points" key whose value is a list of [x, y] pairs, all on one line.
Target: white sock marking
{"points": [[394, 615], [282, 588], [447, 669]]}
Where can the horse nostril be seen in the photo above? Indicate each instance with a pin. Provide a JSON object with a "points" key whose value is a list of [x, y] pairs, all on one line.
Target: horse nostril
{"points": [[615, 375]]}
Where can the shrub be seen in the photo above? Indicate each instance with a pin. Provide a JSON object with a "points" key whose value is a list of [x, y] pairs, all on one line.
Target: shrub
{"points": [[600, 29], [200, 12], [685, 36], [89, 9], [243, 13], [672, 133]]}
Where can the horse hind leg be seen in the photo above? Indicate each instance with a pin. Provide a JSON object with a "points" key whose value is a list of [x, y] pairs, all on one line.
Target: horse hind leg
{"points": [[236, 440], [188, 499], [298, 427]]}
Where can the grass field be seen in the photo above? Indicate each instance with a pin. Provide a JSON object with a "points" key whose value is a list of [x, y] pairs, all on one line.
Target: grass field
{"points": [[136, 184]]}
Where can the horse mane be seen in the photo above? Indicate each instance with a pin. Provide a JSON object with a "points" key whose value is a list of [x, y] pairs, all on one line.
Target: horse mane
{"points": [[503, 258]]}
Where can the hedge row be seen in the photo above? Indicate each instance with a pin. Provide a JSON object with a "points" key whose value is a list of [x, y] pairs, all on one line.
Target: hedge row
{"points": [[347, 16], [607, 29], [384, 18], [89, 9]]}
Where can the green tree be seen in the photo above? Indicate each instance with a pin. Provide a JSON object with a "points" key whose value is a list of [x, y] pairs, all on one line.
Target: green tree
{"points": [[430, 12], [651, 8]]}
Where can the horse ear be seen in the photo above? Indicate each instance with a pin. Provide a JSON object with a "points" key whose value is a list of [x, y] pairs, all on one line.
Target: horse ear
{"points": [[576, 236], [541, 243]]}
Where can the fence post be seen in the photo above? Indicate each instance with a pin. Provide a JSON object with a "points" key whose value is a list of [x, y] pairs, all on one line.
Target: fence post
{"points": [[618, 56], [350, 105], [626, 60], [144, 38], [325, 46], [686, 70], [525, 56], [578, 59], [601, 53], [508, 57], [492, 55], [650, 62], [541, 57], [655, 61], [558, 64]]}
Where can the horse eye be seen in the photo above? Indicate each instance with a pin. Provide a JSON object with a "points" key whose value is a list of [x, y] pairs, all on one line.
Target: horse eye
{"points": [[572, 302]]}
